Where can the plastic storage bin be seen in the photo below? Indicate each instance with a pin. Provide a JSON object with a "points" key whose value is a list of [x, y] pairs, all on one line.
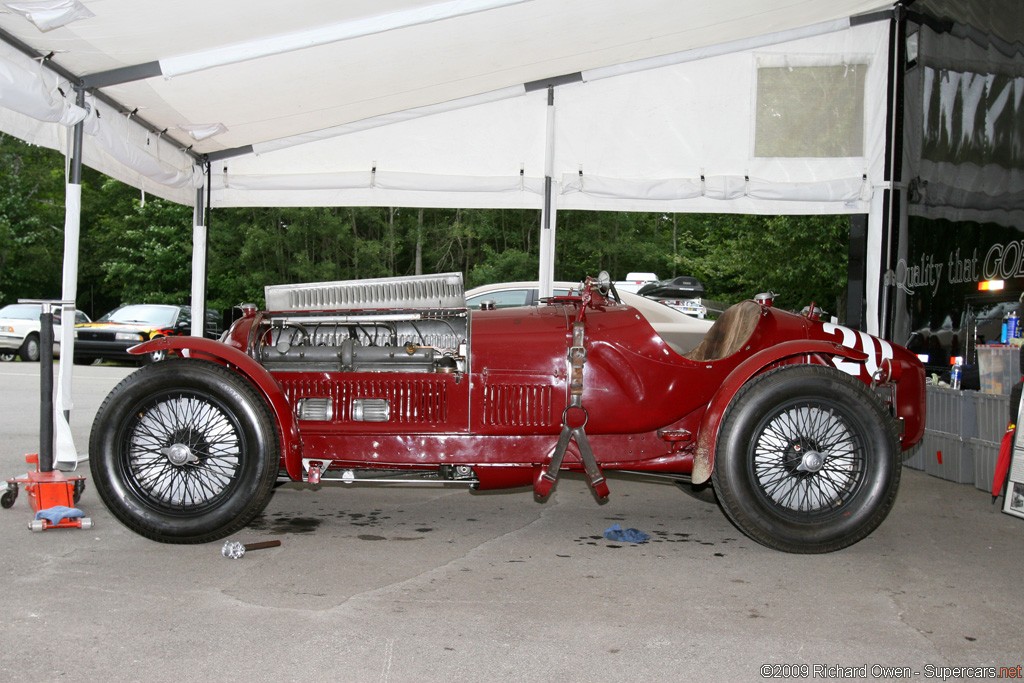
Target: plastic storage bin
{"points": [[916, 459], [993, 414], [985, 454], [950, 411], [999, 368], [948, 456]]}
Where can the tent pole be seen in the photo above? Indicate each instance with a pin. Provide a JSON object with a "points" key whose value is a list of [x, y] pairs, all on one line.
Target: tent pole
{"points": [[892, 197], [199, 240], [65, 455], [546, 273]]}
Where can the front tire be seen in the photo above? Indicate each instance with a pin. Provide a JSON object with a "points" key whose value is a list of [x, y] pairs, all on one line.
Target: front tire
{"points": [[807, 460], [184, 451], [153, 356], [30, 349]]}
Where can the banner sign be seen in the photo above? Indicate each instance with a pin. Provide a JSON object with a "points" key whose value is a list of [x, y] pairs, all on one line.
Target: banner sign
{"points": [[958, 281]]}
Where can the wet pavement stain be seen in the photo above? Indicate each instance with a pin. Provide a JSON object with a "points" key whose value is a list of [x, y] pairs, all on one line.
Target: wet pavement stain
{"points": [[372, 518], [657, 536], [280, 524], [370, 537]]}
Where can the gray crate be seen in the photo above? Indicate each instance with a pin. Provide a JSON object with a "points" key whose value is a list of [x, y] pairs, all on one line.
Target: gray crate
{"points": [[951, 411], [992, 412], [948, 456], [915, 459], [985, 455]]}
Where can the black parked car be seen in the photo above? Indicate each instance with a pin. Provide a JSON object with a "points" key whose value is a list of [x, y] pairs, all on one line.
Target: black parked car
{"points": [[111, 336]]}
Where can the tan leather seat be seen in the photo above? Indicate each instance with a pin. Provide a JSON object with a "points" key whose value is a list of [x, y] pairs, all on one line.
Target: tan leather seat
{"points": [[729, 333]]}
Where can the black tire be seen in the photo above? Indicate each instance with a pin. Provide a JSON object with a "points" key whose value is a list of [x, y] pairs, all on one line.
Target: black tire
{"points": [[29, 350], [154, 357], [807, 460], [184, 451], [703, 492], [8, 497], [7, 356]]}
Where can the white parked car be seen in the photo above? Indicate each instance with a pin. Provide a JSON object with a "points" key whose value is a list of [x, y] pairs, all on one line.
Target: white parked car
{"points": [[681, 331], [19, 331]]}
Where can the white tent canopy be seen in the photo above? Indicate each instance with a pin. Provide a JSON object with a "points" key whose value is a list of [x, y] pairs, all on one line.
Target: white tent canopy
{"points": [[658, 105], [743, 106], [305, 101]]}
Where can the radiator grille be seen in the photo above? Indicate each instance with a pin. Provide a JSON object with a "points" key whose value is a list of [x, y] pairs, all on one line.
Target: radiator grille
{"points": [[421, 292]]}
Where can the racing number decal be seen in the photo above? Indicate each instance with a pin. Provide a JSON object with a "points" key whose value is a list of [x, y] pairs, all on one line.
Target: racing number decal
{"points": [[877, 350]]}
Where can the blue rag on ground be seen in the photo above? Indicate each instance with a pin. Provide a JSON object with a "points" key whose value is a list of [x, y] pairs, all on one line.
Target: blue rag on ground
{"points": [[617, 533], [58, 512]]}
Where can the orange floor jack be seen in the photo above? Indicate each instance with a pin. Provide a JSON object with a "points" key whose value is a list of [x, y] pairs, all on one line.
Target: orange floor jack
{"points": [[51, 493], [46, 491]]}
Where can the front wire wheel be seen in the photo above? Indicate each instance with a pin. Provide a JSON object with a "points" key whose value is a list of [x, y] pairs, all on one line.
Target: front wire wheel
{"points": [[807, 460], [184, 451]]}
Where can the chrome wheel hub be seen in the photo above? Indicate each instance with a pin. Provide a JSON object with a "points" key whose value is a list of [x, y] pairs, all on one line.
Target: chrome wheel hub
{"points": [[811, 462], [179, 454]]}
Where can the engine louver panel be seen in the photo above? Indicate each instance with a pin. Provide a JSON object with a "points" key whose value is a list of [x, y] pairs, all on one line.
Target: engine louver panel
{"points": [[411, 401], [517, 405], [421, 292]]}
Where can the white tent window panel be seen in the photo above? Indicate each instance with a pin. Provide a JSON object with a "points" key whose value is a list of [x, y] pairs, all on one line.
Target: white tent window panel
{"points": [[812, 111], [682, 137]]}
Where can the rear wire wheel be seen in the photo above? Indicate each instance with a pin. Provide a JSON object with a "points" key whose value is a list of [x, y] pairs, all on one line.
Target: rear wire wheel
{"points": [[184, 451], [807, 460]]}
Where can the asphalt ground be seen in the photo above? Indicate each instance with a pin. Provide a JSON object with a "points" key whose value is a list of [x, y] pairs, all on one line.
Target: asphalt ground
{"points": [[417, 584]]}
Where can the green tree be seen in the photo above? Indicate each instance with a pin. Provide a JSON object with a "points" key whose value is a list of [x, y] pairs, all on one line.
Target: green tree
{"points": [[31, 221], [147, 252], [135, 248], [801, 258]]}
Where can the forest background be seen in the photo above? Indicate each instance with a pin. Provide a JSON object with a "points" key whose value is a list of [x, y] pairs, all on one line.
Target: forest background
{"points": [[138, 249]]}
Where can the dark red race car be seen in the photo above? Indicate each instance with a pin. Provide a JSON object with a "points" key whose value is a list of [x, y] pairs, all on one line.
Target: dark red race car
{"points": [[798, 425]]}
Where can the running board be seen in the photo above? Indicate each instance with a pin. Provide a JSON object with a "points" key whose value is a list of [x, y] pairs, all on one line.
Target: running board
{"points": [[319, 471]]}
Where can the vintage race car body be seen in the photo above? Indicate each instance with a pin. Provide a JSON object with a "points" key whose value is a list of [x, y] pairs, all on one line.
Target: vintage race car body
{"points": [[395, 379]]}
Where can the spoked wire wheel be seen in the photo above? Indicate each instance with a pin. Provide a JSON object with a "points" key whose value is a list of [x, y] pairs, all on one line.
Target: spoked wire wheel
{"points": [[807, 460], [184, 451]]}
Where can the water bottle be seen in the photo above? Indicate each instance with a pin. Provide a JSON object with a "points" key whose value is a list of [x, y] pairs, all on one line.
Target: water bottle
{"points": [[956, 373], [1003, 339], [1012, 327]]}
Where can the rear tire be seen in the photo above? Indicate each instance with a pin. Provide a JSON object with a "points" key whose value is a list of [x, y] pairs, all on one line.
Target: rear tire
{"points": [[184, 451], [702, 492], [807, 460]]}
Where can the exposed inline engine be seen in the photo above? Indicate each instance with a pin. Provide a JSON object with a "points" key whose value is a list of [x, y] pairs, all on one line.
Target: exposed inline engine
{"points": [[355, 326]]}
